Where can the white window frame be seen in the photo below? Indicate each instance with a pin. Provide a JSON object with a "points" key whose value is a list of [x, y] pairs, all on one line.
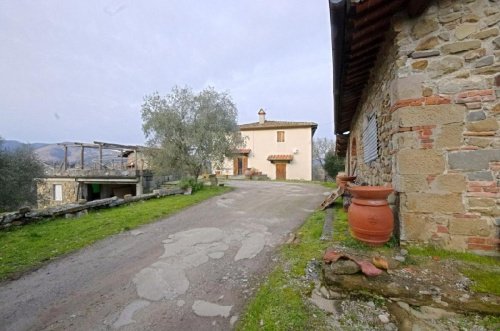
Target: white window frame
{"points": [[58, 192], [370, 138]]}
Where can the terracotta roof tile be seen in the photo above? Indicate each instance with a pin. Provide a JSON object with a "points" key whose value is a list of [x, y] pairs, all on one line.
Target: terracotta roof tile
{"points": [[278, 125], [280, 157], [242, 151]]}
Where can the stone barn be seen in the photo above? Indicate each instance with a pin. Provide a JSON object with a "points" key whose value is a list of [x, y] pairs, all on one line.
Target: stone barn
{"points": [[92, 179], [417, 105]]}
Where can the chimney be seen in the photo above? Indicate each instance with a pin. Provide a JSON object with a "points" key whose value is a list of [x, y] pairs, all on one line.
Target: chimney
{"points": [[262, 116]]}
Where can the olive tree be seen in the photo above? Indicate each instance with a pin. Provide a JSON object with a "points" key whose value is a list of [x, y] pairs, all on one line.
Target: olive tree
{"points": [[189, 131], [18, 169], [333, 164]]}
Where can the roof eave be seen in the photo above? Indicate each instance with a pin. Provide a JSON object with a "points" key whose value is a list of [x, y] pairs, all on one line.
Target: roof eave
{"points": [[338, 12]]}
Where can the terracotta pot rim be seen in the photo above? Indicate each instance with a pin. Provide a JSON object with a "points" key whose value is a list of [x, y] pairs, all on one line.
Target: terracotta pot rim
{"points": [[387, 189], [345, 177]]}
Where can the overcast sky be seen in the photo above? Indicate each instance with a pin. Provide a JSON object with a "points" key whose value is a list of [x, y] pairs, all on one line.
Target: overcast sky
{"points": [[77, 70]]}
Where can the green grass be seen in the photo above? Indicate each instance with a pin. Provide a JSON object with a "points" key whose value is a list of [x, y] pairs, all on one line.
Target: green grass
{"points": [[328, 184], [485, 280], [27, 247], [483, 270], [444, 254], [280, 303]]}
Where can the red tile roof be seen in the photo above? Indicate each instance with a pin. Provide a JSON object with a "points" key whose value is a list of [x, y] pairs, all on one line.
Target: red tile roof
{"points": [[278, 125], [242, 151], [280, 157]]}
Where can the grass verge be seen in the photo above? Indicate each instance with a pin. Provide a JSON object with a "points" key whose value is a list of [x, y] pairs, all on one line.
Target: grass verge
{"points": [[483, 270], [27, 247], [280, 303]]}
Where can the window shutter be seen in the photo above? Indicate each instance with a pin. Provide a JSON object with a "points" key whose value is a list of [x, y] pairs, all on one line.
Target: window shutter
{"points": [[370, 140], [280, 136]]}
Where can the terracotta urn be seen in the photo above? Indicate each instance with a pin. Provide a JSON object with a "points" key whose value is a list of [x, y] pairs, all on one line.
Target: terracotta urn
{"points": [[342, 179], [370, 217]]}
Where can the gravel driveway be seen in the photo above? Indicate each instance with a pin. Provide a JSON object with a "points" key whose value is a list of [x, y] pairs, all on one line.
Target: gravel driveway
{"points": [[192, 271]]}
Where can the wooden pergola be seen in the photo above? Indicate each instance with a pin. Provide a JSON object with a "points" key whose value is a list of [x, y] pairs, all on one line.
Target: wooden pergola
{"points": [[101, 146]]}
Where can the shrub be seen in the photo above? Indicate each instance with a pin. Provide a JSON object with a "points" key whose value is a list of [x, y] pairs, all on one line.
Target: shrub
{"points": [[186, 182]]}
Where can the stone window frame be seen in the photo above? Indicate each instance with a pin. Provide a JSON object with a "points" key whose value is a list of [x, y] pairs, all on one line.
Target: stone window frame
{"points": [[55, 195], [280, 136], [370, 138]]}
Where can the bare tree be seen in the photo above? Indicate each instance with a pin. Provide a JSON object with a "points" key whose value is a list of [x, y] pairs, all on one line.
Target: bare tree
{"points": [[321, 146], [189, 130]]}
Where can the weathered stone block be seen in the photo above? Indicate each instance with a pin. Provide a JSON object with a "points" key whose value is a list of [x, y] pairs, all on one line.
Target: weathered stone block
{"points": [[420, 64], [434, 203], [484, 61], [417, 227], [488, 70], [457, 85], [482, 202], [496, 42], [445, 65], [493, 211], [429, 115], [450, 136], [473, 160], [470, 18], [407, 88], [457, 242], [469, 226], [480, 176], [492, 20], [483, 34], [405, 140], [489, 124], [424, 27], [423, 54], [496, 108], [475, 54], [460, 46], [491, 11], [464, 30], [427, 92], [427, 43], [422, 161], [454, 183], [445, 35], [450, 17], [479, 142], [476, 116], [410, 183]]}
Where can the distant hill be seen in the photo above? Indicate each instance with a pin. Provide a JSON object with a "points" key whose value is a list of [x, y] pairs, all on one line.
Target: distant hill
{"points": [[11, 145], [52, 154]]}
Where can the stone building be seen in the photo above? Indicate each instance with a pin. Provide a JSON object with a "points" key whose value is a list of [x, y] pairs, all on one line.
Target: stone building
{"points": [[417, 105], [126, 173]]}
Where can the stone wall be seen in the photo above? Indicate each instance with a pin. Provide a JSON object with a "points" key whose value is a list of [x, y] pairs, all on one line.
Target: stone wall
{"points": [[376, 99], [438, 106], [45, 192]]}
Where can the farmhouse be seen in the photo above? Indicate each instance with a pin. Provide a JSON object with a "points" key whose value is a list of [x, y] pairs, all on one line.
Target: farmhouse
{"points": [[417, 104], [279, 149]]}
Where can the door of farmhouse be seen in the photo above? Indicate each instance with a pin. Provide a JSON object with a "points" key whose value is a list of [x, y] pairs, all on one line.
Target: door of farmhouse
{"points": [[280, 170], [240, 164]]}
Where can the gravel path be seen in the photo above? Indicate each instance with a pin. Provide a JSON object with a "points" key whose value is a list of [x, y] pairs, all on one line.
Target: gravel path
{"points": [[192, 271]]}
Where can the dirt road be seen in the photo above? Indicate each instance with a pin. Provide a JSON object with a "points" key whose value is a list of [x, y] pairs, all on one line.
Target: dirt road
{"points": [[191, 271]]}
